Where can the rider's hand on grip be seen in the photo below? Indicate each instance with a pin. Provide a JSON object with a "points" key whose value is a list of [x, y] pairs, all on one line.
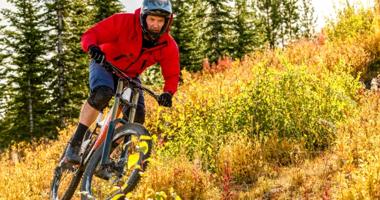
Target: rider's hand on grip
{"points": [[96, 54], [165, 99]]}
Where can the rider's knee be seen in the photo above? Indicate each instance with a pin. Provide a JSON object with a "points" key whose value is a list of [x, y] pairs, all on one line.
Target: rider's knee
{"points": [[100, 97]]}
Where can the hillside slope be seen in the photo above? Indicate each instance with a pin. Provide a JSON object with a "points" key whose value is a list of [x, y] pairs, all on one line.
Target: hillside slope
{"points": [[282, 124]]}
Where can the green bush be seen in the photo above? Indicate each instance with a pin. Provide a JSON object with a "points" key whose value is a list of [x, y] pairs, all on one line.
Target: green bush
{"points": [[294, 103]]}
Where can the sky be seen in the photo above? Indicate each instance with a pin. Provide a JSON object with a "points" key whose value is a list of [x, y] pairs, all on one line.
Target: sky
{"points": [[323, 8]]}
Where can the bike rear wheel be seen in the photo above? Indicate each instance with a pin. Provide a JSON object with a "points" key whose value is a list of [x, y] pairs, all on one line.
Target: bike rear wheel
{"points": [[130, 149]]}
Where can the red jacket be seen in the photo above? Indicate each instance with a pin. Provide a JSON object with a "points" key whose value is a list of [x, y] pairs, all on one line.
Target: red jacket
{"points": [[120, 38]]}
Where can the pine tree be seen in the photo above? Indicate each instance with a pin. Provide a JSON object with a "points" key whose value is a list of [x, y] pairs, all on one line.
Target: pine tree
{"points": [[3, 83], [290, 26], [270, 16], [105, 8], [68, 20], [218, 29], [3, 55], [26, 115], [247, 32], [285, 20], [186, 29], [308, 19], [299, 20]]}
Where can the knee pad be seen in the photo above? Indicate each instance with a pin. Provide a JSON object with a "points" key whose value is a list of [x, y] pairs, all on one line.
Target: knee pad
{"points": [[100, 97]]}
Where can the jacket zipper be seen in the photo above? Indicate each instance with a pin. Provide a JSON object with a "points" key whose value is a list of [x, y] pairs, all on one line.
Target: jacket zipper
{"points": [[141, 53]]}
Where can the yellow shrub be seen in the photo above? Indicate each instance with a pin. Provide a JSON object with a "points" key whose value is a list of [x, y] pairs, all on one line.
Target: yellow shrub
{"points": [[173, 177], [30, 177], [284, 151], [358, 147], [243, 156]]}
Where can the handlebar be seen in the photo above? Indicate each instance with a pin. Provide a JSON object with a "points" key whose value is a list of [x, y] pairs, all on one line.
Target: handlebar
{"points": [[123, 75]]}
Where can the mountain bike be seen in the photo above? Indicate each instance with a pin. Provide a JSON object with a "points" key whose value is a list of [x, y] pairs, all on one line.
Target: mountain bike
{"points": [[114, 153]]}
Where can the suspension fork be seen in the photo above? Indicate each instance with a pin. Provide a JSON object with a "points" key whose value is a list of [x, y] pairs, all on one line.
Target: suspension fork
{"points": [[133, 105], [115, 111]]}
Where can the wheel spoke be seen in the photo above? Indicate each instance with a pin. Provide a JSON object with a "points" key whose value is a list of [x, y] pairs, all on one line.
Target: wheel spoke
{"points": [[128, 153]]}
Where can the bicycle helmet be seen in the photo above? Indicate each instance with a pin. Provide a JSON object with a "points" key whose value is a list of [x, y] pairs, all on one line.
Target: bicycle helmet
{"points": [[161, 8]]}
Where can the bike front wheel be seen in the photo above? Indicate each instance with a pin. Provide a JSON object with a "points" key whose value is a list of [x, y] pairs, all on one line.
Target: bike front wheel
{"points": [[65, 181], [130, 149]]}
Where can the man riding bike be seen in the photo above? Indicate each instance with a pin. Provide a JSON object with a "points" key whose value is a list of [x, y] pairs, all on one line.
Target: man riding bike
{"points": [[132, 42]]}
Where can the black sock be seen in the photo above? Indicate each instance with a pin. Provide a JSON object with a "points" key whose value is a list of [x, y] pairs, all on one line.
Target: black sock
{"points": [[79, 134]]}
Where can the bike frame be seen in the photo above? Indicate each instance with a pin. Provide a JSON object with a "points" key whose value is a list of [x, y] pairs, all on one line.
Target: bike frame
{"points": [[108, 128], [127, 93]]}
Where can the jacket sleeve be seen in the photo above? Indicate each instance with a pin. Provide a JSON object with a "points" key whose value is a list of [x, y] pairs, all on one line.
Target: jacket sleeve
{"points": [[170, 67], [105, 31]]}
